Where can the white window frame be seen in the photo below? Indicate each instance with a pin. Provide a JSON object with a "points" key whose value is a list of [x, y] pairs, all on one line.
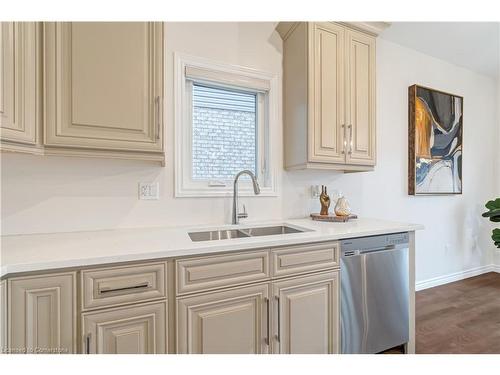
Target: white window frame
{"points": [[188, 68]]}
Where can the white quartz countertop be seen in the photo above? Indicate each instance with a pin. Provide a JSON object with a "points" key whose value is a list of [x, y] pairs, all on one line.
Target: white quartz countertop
{"points": [[38, 252]]}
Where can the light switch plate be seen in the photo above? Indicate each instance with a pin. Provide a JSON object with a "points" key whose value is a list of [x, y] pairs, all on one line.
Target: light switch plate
{"points": [[149, 190]]}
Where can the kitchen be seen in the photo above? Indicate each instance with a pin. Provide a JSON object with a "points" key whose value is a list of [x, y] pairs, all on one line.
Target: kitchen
{"points": [[129, 213]]}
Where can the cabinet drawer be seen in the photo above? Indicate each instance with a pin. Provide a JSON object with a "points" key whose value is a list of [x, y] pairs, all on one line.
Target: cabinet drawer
{"points": [[125, 284], [304, 258], [221, 271]]}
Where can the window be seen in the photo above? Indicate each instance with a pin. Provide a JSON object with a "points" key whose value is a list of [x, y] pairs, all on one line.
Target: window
{"points": [[223, 116], [224, 132]]}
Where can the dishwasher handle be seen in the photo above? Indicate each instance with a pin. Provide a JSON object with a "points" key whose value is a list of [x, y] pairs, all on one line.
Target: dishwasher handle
{"points": [[349, 253]]}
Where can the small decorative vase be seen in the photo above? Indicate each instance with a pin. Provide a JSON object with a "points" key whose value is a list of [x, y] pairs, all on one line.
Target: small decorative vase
{"points": [[342, 207]]}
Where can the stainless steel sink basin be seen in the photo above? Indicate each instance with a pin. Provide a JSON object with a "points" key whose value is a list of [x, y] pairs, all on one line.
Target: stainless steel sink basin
{"points": [[269, 231], [217, 235], [242, 233]]}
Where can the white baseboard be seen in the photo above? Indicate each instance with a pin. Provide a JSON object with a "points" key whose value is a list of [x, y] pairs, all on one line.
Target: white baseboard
{"points": [[440, 280]]}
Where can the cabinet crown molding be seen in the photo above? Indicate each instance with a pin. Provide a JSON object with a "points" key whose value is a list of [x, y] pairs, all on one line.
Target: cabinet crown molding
{"points": [[373, 28]]}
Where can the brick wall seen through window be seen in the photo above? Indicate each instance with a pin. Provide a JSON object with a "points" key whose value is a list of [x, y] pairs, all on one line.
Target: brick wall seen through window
{"points": [[224, 132]]}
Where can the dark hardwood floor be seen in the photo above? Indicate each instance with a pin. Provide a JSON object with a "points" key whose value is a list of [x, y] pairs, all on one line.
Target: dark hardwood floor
{"points": [[460, 317]]}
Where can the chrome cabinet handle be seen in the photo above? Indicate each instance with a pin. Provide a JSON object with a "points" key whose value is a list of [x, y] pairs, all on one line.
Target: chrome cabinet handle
{"points": [[350, 139], [138, 286], [278, 336], [268, 323], [87, 343], [157, 104], [345, 140]]}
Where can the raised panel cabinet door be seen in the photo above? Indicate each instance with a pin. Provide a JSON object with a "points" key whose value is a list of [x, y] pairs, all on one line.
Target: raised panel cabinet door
{"points": [[3, 316], [234, 321], [42, 314], [361, 98], [104, 85], [326, 136], [18, 81], [306, 314], [138, 329]]}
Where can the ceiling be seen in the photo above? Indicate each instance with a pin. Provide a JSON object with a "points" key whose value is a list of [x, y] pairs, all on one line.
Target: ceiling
{"points": [[472, 45]]}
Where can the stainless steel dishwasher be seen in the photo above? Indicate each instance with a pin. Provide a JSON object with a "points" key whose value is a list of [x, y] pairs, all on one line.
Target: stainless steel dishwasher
{"points": [[374, 293]]}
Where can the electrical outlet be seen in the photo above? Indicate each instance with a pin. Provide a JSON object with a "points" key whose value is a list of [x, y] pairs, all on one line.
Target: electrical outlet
{"points": [[149, 190], [315, 191]]}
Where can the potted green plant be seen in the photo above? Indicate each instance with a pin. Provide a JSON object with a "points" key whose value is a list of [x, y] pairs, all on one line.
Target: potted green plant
{"points": [[494, 214]]}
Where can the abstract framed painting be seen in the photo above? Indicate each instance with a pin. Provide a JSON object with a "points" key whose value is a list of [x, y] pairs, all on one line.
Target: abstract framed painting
{"points": [[435, 122]]}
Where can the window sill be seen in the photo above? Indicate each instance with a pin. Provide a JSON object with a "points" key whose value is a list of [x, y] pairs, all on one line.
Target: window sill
{"points": [[224, 193]]}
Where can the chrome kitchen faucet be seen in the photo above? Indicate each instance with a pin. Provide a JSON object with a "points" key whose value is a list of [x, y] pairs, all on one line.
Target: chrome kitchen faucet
{"points": [[256, 189]]}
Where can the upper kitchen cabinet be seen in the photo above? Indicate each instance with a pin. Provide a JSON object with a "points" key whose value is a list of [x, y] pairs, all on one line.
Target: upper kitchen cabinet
{"points": [[103, 88], [3, 314], [360, 98], [19, 85], [329, 94]]}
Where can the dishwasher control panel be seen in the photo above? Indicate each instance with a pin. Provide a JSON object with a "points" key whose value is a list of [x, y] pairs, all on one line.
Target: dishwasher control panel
{"points": [[397, 239], [374, 242]]}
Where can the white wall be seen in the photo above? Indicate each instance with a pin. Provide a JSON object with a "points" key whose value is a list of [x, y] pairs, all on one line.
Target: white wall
{"points": [[62, 194], [496, 251], [66, 194], [456, 236]]}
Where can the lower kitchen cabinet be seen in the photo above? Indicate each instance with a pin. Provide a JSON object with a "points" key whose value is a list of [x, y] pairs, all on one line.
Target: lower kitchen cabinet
{"points": [[306, 314], [230, 321], [280, 300], [137, 329], [42, 314]]}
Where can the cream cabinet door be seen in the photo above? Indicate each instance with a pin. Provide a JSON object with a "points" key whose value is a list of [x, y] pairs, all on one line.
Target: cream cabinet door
{"points": [[3, 316], [104, 85], [360, 49], [306, 314], [233, 321], [138, 329], [42, 314], [18, 81], [326, 143]]}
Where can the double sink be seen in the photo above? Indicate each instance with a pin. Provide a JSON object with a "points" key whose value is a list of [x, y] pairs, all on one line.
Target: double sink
{"points": [[226, 234]]}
